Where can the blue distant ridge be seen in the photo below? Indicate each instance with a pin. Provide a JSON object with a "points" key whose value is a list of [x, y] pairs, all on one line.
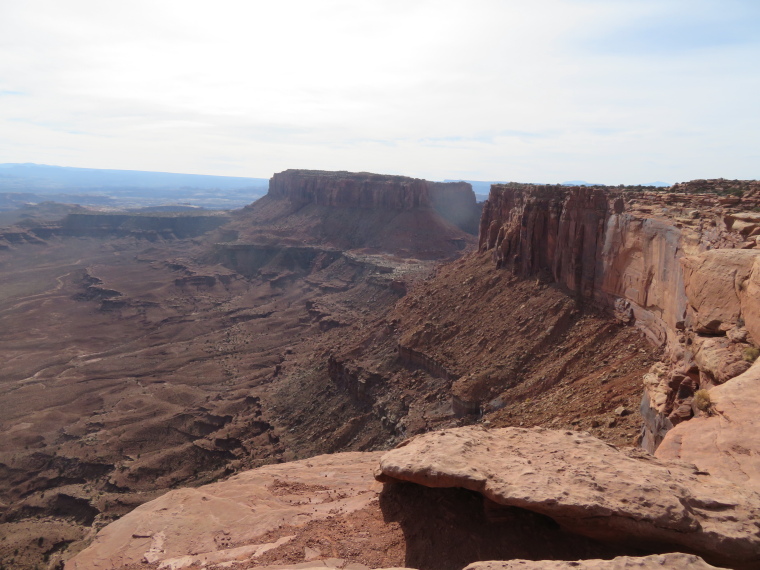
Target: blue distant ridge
{"points": [[64, 177]]}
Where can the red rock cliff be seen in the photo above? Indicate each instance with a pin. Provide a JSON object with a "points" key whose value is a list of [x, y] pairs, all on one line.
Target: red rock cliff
{"points": [[454, 201], [682, 267]]}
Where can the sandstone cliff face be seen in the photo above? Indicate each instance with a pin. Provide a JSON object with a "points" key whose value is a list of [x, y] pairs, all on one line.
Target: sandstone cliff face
{"points": [[454, 201], [405, 217], [682, 267], [589, 242]]}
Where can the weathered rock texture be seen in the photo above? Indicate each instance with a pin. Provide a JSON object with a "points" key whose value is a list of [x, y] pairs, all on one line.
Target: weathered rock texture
{"points": [[407, 217], [225, 521], [454, 201], [722, 287], [590, 488], [725, 442], [679, 266], [328, 512], [676, 560]]}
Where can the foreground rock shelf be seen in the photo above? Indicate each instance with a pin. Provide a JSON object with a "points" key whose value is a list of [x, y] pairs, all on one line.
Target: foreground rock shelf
{"points": [[590, 488], [223, 522], [727, 442], [617, 501]]}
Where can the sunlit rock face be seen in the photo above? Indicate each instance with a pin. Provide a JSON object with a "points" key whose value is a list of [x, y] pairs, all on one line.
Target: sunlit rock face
{"points": [[682, 267]]}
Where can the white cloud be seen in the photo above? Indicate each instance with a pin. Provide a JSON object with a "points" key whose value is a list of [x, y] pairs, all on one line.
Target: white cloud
{"points": [[613, 91]]}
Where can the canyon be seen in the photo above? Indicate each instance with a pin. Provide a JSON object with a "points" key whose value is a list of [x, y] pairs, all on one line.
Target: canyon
{"points": [[226, 390]]}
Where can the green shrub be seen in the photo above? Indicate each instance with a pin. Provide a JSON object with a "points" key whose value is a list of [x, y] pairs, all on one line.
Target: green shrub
{"points": [[702, 400], [750, 354]]}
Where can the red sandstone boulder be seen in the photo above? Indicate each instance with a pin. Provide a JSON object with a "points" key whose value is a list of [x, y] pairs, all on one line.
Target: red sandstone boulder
{"points": [[589, 488], [746, 223], [717, 284], [718, 359], [725, 443]]}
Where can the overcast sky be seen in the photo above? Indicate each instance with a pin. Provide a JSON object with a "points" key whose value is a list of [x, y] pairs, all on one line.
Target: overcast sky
{"points": [[608, 91]]}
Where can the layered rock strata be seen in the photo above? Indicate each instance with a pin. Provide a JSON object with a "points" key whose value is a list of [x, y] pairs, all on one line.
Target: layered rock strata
{"points": [[454, 201], [682, 267]]}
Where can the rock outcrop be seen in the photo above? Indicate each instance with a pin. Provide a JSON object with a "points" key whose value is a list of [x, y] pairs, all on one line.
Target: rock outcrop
{"points": [[235, 520], [724, 441], [454, 201], [746, 192], [507, 490], [590, 488], [682, 267]]}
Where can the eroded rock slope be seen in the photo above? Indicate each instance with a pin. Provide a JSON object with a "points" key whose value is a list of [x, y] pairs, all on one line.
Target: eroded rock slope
{"points": [[144, 353], [316, 321]]}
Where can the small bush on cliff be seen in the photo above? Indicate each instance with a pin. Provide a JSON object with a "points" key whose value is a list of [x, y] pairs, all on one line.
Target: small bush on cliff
{"points": [[750, 354], [702, 401]]}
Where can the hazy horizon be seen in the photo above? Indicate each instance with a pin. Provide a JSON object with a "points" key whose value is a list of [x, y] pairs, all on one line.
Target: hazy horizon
{"points": [[614, 92]]}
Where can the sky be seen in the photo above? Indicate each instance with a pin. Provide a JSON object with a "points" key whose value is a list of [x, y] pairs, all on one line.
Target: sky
{"points": [[606, 91]]}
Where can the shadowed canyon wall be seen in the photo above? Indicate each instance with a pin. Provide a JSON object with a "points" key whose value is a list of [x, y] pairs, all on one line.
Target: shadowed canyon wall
{"points": [[454, 201]]}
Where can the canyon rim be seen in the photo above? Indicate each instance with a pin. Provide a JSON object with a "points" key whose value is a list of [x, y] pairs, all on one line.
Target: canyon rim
{"points": [[368, 371]]}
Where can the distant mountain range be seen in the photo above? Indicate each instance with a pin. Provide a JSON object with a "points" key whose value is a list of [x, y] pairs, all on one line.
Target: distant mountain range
{"points": [[129, 188], [103, 188]]}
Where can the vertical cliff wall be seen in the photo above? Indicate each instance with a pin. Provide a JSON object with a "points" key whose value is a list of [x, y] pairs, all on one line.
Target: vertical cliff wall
{"points": [[351, 190], [679, 266], [453, 201], [589, 242], [456, 203]]}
